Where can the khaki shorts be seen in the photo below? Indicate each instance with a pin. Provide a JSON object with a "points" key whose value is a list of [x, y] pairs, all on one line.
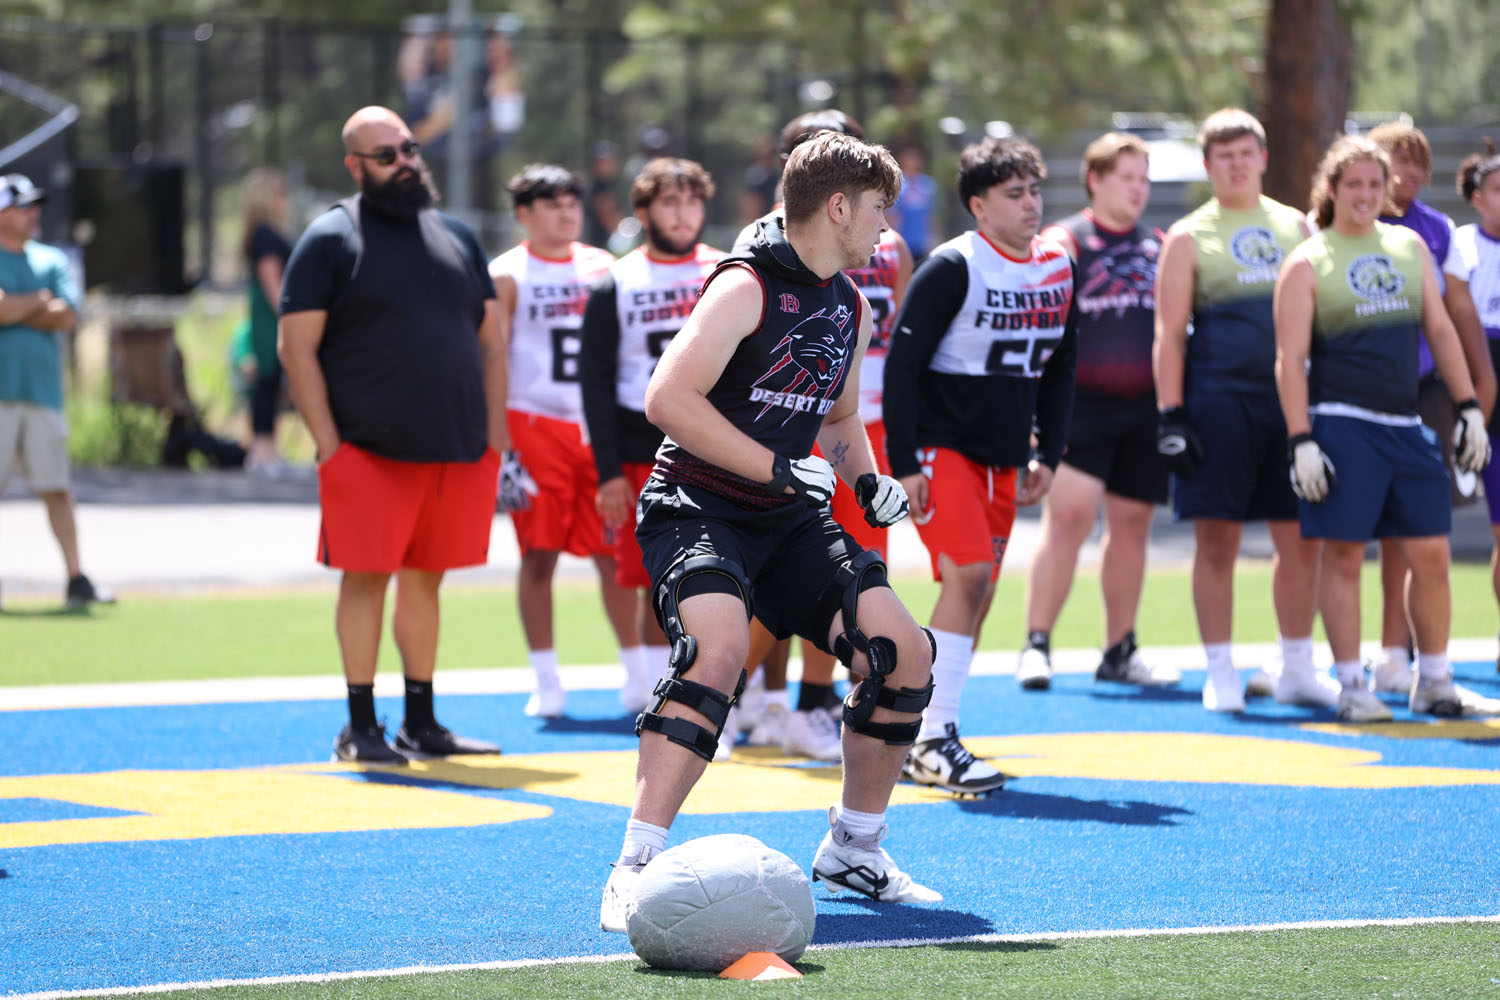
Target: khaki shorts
{"points": [[35, 440]]}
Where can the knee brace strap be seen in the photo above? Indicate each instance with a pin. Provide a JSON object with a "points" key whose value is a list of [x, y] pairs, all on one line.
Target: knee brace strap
{"points": [[667, 610], [897, 734], [853, 640], [712, 704]]}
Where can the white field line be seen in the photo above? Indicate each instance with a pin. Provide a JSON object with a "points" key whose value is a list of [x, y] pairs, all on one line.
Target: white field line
{"points": [[413, 970], [517, 680]]}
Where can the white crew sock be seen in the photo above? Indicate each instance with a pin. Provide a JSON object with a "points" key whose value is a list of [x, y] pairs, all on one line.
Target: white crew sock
{"points": [[782, 698], [634, 660], [1433, 666], [861, 825], [656, 661], [1395, 654], [1220, 660], [1296, 655], [639, 835], [1351, 674], [950, 671], [544, 666]]}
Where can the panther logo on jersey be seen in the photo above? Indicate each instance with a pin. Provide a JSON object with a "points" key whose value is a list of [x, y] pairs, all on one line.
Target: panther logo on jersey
{"points": [[1373, 276], [1255, 246], [809, 360], [1122, 279]]}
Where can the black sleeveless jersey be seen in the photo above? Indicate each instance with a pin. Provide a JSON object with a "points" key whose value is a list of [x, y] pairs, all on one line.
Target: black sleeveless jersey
{"points": [[782, 379], [1116, 306]]}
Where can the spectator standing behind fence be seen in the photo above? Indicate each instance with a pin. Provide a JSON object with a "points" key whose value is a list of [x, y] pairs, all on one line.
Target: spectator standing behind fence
{"points": [[911, 215], [38, 300], [391, 343], [266, 251]]}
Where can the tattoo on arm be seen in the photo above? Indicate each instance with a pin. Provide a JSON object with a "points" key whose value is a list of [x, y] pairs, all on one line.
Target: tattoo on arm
{"points": [[840, 452]]}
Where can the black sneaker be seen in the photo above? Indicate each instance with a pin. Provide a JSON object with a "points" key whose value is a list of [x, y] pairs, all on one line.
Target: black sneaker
{"points": [[439, 741], [81, 592], [366, 746]]}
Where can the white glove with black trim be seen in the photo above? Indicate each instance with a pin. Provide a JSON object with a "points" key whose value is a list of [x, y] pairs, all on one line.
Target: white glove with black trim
{"points": [[516, 485], [883, 498], [1312, 471], [1471, 441], [811, 479]]}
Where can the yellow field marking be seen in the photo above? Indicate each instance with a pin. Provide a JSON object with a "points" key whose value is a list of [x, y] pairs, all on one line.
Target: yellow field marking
{"points": [[1438, 729], [252, 802]]}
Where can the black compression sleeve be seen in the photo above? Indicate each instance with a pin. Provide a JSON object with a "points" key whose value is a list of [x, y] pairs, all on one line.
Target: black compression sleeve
{"points": [[598, 368], [933, 298]]}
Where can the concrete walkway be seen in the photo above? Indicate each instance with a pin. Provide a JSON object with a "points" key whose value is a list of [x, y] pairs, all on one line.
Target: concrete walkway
{"points": [[176, 530]]}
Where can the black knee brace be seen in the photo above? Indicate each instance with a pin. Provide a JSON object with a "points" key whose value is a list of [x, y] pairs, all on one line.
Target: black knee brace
{"points": [[880, 653], [712, 704]]}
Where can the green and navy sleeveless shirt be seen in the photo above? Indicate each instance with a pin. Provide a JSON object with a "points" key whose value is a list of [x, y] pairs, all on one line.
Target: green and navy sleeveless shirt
{"points": [[1367, 324], [1232, 344]]}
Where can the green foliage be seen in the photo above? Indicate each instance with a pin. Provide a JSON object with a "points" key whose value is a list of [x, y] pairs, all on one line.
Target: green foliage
{"points": [[116, 435]]}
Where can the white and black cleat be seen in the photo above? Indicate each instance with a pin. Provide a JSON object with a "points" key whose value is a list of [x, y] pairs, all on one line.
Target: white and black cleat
{"points": [[944, 762]]}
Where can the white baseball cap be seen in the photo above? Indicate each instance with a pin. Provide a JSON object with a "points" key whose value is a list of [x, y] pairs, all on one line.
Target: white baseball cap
{"points": [[17, 189]]}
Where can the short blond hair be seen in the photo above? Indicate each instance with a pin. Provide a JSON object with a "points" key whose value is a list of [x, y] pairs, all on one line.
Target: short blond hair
{"points": [[830, 162], [1404, 140], [1104, 152], [1227, 125]]}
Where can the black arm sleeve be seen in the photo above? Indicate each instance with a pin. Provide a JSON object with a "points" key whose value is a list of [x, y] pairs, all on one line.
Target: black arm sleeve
{"points": [[933, 298], [598, 368], [1054, 402]]}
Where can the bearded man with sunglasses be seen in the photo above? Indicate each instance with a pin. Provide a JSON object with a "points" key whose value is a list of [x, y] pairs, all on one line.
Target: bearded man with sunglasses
{"points": [[390, 338]]}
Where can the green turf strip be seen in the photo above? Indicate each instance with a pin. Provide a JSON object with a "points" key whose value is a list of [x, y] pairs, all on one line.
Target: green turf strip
{"points": [[152, 637], [1440, 960]]}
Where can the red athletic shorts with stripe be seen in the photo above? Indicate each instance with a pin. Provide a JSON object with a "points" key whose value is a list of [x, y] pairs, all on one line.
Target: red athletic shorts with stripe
{"points": [[381, 515], [847, 511], [971, 510], [630, 571], [563, 516]]}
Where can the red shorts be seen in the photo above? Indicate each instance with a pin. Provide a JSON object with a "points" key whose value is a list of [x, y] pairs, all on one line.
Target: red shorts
{"points": [[563, 516], [381, 515], [630, 571], [847, 512], [971, 509]]}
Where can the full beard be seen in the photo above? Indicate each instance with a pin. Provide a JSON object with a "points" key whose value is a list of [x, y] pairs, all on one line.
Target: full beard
{"points": [[665, 245], [403, 194]]}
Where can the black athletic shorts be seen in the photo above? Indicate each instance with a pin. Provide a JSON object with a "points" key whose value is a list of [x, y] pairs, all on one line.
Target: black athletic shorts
{"points": [[1114, 440], [789, 555]]}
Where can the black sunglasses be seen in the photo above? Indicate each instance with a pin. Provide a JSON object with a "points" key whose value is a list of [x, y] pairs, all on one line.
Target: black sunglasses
{"points": [[386, 155]]}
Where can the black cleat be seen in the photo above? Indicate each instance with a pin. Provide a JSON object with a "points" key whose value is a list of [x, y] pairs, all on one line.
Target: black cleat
{"points": [[82, 592], [439, 741], [366, 746]]}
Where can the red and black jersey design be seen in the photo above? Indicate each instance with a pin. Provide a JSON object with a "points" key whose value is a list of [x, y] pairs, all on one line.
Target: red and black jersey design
{"points": [[783, 378], [1116, 303]]}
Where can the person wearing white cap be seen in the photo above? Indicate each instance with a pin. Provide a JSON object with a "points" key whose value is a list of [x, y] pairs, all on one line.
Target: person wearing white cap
{"points": [[37, 300]]}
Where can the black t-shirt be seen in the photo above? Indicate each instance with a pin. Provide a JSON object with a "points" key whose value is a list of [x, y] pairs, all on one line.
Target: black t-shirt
{"points": [[400, 351], [267, 242]]}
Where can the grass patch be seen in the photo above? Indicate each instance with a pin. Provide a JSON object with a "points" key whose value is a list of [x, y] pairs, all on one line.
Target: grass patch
{"points": [[1441, 960], [152, 637]]}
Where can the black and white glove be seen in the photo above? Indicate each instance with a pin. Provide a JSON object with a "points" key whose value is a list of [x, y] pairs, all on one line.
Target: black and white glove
{"points": [[1471, 441], [883, 498], [811, 479], [1312, 471], [1178, 446], [516, 485]]}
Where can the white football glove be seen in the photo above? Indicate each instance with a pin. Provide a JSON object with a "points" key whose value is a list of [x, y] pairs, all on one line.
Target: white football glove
{"points": [[516, 485], [1312, 471], [811, 479], [883, 498], [1471, 441]]}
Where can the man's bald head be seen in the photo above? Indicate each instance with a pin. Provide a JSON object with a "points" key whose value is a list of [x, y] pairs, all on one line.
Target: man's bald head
{"points": [[365, 124]]}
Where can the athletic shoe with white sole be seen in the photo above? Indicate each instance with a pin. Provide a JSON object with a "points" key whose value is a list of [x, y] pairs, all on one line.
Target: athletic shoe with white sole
{"points": [[728, 736], [770, 729], [1034, 670], [547, 701], [1392, 675], [812, 734], [636, 694], [1308, 688], [861, 864], [1137, 671], [752, 701], [1260, 684], [1223, 693], [1437, 697], [1359, 705], [943, 762], [619, 892]]}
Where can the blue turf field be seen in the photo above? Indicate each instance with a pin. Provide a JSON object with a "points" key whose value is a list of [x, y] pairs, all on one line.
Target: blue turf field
{"points": [[153, 845]]}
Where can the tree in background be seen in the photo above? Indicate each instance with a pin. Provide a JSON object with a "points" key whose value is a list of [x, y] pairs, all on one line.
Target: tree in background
{"points": [[1308, 77]]}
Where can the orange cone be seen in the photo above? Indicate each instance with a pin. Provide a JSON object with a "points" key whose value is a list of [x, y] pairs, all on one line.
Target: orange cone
{"points": [[760, 965]]}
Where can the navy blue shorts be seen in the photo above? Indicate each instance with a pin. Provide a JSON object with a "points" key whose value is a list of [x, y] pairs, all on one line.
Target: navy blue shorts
{"points": [[791, 555], [1244, 472], [1391, 482]]}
